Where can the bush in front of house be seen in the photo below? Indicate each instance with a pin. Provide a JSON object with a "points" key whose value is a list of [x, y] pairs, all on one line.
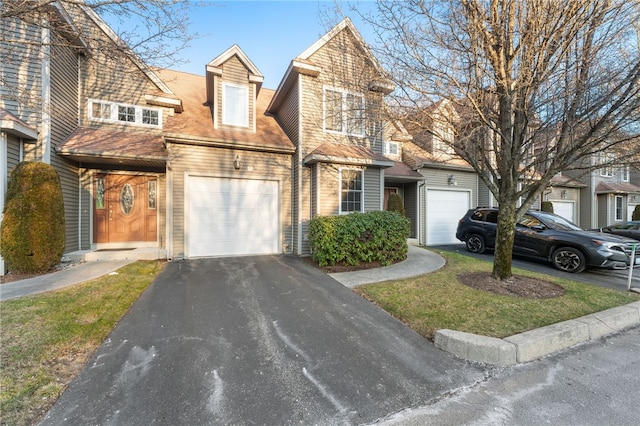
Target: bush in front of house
{"points": [[359, 238], [547, 206], [32, 234], [636, 213], [394, 204]]}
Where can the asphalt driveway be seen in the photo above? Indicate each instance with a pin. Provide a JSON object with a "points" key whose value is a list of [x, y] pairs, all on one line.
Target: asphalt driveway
{"points": [[256, 340]]}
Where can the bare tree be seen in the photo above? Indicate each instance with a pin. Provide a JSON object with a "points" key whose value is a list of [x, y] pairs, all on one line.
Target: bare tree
{"points": [[538, 87], [156, 30]]}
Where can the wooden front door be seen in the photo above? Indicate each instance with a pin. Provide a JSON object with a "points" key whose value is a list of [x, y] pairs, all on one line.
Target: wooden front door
{"points": [[125, 208]]}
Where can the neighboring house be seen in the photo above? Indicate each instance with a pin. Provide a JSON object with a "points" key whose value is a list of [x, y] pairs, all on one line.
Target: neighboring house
{"points": [[610, 194]]}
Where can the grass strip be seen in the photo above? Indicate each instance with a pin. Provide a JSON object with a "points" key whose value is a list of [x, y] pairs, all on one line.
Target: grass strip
{"points": [[45, 340], [439, 301]]}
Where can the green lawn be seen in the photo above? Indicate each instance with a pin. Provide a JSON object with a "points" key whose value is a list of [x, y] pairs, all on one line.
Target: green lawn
{"points": [[45, 340], [439, 301]]}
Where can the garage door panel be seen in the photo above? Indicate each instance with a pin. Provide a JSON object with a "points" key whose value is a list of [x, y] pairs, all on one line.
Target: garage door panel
{"points": [[228, 217], [565, 209], [444, 210]]}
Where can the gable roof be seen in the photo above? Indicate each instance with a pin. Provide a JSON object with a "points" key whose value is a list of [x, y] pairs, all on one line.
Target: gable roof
{"points": [[195, 124], [115, 39], [303, 65], [214, 66]]}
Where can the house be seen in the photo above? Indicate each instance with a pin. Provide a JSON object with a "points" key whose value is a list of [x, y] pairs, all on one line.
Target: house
{"points": [[214, 165]]}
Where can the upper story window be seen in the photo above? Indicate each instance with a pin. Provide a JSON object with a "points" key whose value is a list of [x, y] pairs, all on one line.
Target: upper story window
{"points": [[124, 113], [343, 112], [392, 148], [624, 172], [235, 105], [443, 139], [351, 199], [607, 169]]}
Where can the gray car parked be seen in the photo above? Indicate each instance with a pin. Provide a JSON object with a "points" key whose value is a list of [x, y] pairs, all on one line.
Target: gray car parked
{"points": [[551, 237]]}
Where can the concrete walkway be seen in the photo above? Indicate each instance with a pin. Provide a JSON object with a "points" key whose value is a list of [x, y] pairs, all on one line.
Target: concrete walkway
{"points": [[69, 276]]}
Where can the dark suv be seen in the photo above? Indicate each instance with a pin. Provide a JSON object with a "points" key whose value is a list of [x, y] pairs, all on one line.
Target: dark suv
{"points": [[548, 236]]}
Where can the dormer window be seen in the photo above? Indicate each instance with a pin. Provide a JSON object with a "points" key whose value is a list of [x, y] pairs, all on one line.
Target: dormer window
{"points": [[235, 105], [343, 112]]}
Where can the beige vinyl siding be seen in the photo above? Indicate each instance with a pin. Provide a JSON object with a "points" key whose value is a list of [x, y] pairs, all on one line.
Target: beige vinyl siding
{"points": [[218, 162], [288, 114], [235, 72], [21, 69], [329, 189], [372, 187], [13, 153], [64, 119]]}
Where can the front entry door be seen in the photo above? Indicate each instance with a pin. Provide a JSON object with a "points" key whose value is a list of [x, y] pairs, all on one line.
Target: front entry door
{"points": [[124, 208]]}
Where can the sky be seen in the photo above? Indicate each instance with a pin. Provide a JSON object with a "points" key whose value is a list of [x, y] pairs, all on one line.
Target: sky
{"points": [[271, 33]]}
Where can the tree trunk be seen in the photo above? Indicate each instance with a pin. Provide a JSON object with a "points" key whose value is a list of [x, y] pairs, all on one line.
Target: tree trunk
{"points": [[504, 241]]}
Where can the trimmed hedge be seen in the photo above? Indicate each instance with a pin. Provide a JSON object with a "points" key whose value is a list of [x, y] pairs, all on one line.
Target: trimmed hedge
{"points": [[359, 238], [394, 204], [32, 235], [547, 206]]}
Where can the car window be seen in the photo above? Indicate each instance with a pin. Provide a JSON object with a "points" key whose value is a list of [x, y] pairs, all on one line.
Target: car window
{"points": [[478, 215], [529, 221], [557, 222], [492, 217]]}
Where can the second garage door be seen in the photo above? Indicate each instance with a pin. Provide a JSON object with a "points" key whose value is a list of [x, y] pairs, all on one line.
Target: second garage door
{"points": [[231, 217], [444, 210]]}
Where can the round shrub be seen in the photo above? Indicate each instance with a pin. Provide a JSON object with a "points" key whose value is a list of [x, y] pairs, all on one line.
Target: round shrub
{"points": [[359, 238], [32, 234], [547, 206]]}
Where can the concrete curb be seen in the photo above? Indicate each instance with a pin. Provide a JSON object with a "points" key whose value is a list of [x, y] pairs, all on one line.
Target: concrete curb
{"points": [[530, 345]]}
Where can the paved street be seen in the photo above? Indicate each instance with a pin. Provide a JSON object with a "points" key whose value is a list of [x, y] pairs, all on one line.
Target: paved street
{"points": [[266, 340], [593, 384]]}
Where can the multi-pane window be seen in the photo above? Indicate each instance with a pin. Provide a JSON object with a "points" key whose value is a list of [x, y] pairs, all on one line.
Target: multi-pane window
{"points": [[127, 113], [101, 110], [150, 116], [391, 148], [343, 112], [607, 169], [625, 174], [235, 105], [123, 113], [350, 190]]}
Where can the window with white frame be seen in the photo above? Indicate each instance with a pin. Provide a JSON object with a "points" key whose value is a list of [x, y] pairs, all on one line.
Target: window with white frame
{"points": [[343, 112], [618, 213], [235, 105], [124, 113], [443, 139], [624, 172], [351, 190], [392, 148], [607, 169]]}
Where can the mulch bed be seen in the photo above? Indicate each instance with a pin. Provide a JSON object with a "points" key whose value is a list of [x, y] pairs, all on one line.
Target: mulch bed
{"points": [[517, 286]]}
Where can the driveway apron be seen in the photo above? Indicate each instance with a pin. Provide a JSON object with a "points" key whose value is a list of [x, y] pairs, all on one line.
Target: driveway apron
{"points": [[256, 340]]}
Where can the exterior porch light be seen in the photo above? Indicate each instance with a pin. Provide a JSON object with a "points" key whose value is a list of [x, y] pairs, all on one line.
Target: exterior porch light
{"points": [[563, 194], [452, 180], [237, 163]]}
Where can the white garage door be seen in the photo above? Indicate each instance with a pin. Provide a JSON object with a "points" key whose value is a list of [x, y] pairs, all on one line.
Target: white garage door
{"points": [[444, 210], [565, 209], [231, 217]]}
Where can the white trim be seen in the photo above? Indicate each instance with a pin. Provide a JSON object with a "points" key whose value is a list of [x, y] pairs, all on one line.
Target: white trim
{"points": [[344, 118], [3, 183], [113, 113], [340, 169], [225, 119], [45, 132], [300, 165], [169, 212], [615, 208]]}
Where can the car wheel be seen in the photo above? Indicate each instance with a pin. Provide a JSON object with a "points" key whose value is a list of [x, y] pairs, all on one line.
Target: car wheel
{"points": [[475, 244], [568, 259]]}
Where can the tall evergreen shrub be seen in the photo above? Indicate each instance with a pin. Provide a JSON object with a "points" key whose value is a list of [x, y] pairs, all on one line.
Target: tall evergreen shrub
{"points": [[32, 234], [636, 213], [547, 206], [394, 204]]}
